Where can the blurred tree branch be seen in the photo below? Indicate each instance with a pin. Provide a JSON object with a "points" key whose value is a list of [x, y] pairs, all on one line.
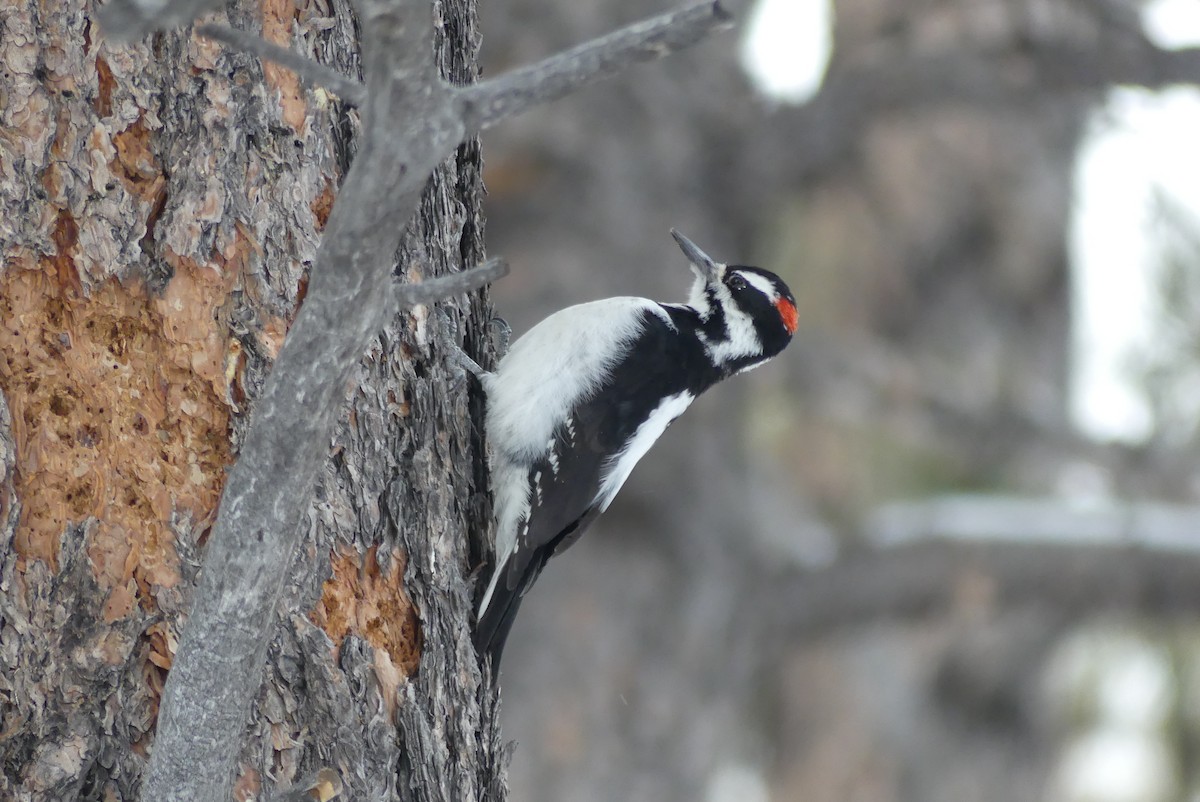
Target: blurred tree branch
{"points": [[855, 94], [930, 558]]}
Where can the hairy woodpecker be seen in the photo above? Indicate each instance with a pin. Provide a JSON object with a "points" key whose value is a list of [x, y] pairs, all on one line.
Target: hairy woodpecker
{"points": [[581, 397]]}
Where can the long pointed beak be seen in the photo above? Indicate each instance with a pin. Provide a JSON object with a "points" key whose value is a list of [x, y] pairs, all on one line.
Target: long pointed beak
{"points": [[699, 259]]}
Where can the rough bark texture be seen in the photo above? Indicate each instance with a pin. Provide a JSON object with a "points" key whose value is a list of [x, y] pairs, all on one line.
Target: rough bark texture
{"points": [[162, 202]]}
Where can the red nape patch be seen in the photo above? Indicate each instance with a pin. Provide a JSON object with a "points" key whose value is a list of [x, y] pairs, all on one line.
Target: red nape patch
{"points": [[787, 311]]}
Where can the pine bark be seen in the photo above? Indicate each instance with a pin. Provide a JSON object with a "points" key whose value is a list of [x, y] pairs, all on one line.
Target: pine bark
{"points": [[162, 203]]}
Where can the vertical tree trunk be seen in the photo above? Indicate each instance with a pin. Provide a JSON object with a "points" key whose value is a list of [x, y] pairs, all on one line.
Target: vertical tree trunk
{"points": [[161, 204]]}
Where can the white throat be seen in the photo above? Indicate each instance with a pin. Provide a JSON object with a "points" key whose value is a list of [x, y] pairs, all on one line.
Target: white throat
{"points": [[741, 338], [698, 298]]}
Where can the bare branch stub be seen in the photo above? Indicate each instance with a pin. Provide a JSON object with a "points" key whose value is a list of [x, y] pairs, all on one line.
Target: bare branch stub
{"points": [[437, 289]]}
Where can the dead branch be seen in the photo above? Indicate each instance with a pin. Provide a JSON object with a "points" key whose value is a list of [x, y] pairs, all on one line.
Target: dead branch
{"points": [[437, 289], [491, 101]]}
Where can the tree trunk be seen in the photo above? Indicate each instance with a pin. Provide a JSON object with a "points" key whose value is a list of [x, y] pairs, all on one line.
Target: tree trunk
{"points": [[162, 203]]}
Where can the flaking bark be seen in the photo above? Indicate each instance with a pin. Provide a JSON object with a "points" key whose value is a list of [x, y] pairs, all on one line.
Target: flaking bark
{"points": [[171, 194]]}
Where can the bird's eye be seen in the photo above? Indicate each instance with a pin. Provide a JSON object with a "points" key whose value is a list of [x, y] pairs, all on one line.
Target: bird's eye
{"points": [[737, 283]]}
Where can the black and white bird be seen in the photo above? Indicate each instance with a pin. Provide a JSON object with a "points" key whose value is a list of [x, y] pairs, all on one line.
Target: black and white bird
{"points": [[581, 397]]}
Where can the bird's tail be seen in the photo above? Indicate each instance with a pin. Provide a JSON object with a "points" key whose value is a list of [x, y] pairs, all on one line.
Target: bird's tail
{"points": [[495, 621]]}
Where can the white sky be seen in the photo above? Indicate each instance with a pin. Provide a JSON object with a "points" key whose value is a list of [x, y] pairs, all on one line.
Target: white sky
{"points": [[1118, 753], [1173, 24], [1139, 140], [787, 47]]}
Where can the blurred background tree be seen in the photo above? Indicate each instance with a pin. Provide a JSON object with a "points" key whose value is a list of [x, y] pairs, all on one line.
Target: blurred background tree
{"points": [[895, 564]]}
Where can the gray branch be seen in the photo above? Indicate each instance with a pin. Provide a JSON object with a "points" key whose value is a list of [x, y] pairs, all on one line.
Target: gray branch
{"points": [[489, 102], [442, 287], [510, 94], [930, 556], [828, 129], [933, 578], [992, 518], [309, 71], [1015, 76], [412, 121], [126, 20]]}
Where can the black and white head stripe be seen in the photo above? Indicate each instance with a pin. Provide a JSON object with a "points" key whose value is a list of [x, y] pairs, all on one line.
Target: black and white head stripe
{"points": [[748, 314], [761, 297]]}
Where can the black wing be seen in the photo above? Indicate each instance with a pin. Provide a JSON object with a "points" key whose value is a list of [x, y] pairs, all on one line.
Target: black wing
{"points": [[567, 481], [564, 511]]}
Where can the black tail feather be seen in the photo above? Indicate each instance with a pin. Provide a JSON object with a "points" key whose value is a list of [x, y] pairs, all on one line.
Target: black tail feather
{"points": [[492, 631]]}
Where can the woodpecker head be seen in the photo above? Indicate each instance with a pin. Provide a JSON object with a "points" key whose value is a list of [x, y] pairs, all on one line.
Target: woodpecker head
{"points": [[748, 314]]}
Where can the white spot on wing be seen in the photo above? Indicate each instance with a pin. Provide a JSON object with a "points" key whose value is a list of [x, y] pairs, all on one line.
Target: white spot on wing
{"points": [[619, 468]]}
